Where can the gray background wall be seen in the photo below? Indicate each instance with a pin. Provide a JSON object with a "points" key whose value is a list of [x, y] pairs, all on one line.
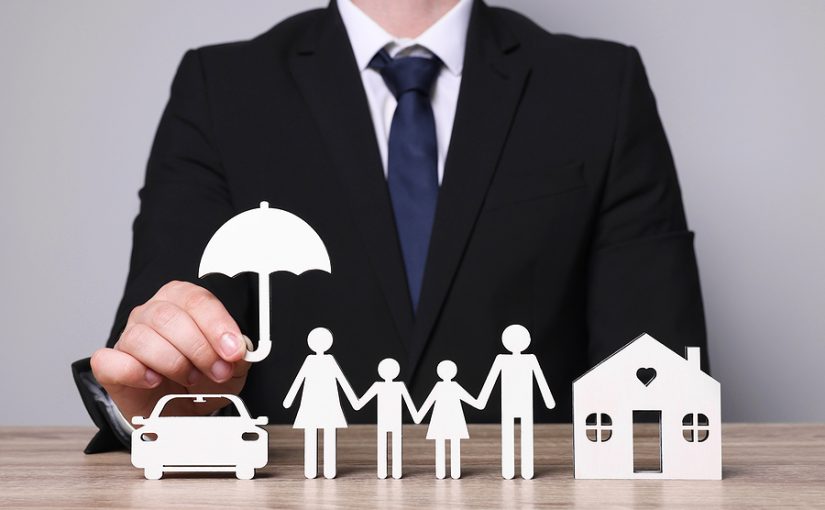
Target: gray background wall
{"points": [[740, 87]]}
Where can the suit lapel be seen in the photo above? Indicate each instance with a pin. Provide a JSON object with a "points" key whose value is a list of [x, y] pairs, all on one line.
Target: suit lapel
{"points": [[327, 75], [491, 86]]}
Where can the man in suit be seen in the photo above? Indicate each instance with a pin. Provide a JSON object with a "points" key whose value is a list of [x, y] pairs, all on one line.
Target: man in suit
{"points": [[466, 169]]}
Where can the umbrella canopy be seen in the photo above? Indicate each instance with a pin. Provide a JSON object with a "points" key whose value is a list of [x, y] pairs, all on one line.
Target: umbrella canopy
{"points": [[264, 241]]}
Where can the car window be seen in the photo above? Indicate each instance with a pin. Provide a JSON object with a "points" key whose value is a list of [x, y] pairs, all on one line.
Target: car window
{"points": [[179, 406]]}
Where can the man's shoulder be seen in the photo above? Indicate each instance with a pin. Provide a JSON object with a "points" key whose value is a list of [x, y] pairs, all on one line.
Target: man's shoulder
{"points": [[279, 38], [542, 43]]}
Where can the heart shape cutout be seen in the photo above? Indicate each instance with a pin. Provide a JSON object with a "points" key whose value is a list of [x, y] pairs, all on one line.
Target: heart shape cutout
{"points": [[646, 375]]}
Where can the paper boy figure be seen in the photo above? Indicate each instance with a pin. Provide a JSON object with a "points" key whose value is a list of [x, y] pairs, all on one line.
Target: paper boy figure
{"points": [[390, 393], [320, 408], [517, 372]]}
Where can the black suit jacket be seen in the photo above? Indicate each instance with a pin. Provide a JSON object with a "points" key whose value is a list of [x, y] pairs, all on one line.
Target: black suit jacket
{"points": [[559, 208]]}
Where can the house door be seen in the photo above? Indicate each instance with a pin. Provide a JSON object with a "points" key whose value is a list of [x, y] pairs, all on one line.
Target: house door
{"points": [[647, 441]]}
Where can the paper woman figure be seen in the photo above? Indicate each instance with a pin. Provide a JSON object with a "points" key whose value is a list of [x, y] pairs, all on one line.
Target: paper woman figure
{"points": [[320, 407], [447, 422], [390, 393]]}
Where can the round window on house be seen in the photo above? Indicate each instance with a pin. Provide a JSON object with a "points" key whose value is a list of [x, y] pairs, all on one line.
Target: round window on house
{"points": [[695, 427], [598, 427]]}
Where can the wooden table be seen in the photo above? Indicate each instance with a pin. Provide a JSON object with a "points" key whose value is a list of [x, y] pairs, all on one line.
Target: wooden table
{"points": [[777, 466]]}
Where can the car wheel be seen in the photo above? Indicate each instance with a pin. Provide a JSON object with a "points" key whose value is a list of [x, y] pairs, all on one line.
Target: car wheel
{"points": [[245, 473], [153, 473]]}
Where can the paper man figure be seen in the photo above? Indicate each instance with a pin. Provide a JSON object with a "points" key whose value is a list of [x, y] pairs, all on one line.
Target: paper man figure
{"points": [[517, 372], [320, 408], [390, 393], [447, 422]]}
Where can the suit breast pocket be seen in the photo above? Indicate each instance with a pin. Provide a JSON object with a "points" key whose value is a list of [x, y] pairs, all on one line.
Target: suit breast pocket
{"points": [[514, 188]]}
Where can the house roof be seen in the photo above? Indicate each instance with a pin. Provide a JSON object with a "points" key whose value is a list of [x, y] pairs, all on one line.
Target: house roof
{"points": [[645, 338]]}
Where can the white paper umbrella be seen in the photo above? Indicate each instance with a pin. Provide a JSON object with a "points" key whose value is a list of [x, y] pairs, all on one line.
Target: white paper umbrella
{"points": [[264, 241]]}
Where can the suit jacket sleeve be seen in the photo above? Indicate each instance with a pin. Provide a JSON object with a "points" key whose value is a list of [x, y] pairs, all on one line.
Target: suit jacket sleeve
{"points": [[643, 275], [184, 200]]}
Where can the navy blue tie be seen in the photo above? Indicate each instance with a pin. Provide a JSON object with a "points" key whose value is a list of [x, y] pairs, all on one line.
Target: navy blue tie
{"points": [[412, 166]]}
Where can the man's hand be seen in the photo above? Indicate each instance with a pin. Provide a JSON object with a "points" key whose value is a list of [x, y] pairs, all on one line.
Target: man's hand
{"points": [[180, 341]]}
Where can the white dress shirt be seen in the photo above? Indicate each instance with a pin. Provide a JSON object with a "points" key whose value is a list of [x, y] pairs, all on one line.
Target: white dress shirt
{"points": [[446, 39]]}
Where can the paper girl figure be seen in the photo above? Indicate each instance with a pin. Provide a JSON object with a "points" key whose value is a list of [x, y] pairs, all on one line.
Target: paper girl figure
{"points": [[447, 422], [390, 393], [320, 408]]}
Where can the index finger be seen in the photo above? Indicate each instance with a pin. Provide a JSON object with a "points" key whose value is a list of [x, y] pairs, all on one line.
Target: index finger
{"points": [[211, 317]]}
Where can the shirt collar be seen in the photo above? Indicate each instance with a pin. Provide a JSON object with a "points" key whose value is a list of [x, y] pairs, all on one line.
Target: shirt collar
{"points": [[446, 38]]}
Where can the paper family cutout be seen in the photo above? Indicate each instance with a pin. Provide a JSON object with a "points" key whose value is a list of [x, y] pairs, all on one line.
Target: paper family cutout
{"points": [[642, 376], [320, 407]]}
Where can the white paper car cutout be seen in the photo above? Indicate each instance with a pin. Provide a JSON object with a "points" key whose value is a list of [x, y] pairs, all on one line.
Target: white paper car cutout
{"points": [[200, 443]]}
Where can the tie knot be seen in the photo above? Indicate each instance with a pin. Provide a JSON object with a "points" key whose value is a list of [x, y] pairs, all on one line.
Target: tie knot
{"points": [[406, 74]]}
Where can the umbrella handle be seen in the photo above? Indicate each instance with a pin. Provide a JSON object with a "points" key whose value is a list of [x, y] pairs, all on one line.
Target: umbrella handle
{"points": [[264, 346]]}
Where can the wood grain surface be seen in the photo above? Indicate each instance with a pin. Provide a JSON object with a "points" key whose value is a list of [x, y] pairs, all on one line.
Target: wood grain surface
{"points": [[765, 466]]}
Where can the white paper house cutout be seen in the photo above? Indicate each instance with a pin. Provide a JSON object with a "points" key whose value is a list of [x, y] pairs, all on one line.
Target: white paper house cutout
{"points": [[643, 376]]}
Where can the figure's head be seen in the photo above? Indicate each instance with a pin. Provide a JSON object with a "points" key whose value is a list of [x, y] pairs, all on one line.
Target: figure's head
{"points": [[389, 369], [446, 370], [515, 338], [319, 340]]}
